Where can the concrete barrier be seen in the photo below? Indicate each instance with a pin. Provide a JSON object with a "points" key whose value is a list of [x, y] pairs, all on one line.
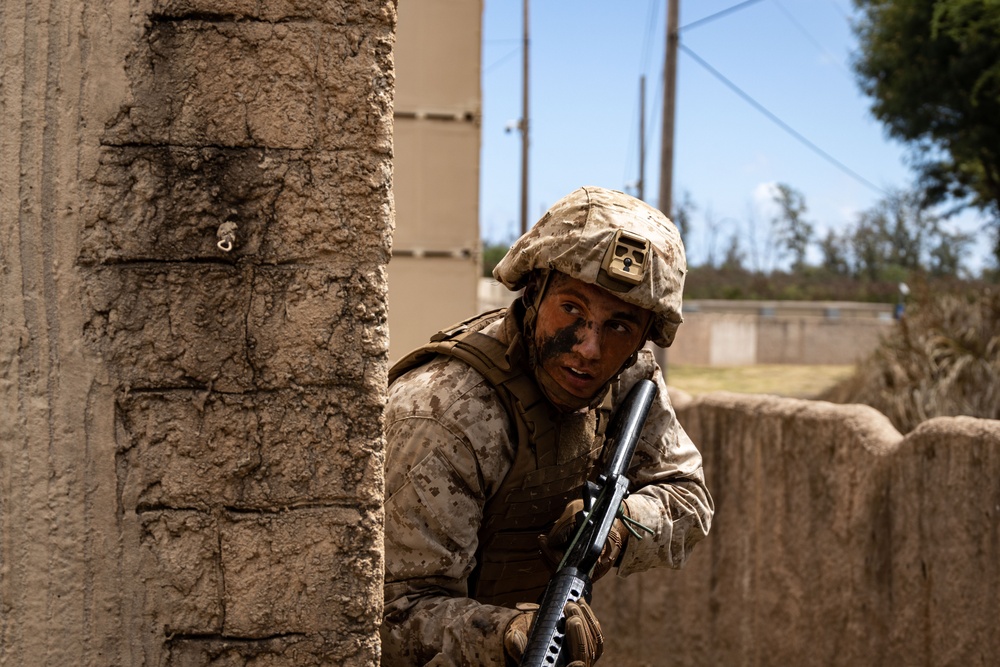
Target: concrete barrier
{"points": [[743, 333], [836, 542]]}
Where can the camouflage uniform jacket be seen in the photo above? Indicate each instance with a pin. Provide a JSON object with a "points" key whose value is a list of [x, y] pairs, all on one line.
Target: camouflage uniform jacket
{"points": [[450, 444]]}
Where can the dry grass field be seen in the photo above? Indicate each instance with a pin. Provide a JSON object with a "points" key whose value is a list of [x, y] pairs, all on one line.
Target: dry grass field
{"points": [[781, 380]]}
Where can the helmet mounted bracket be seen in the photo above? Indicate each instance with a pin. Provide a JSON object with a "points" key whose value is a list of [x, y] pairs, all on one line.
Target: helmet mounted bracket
{"points": [[624, 262]]}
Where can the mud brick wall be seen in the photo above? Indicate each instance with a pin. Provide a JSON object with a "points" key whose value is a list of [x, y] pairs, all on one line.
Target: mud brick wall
{"points": [[837, 541], [249, 436], [192, 467]]}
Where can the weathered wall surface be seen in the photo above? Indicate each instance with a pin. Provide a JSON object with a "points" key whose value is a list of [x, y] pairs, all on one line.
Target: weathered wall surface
{"points": [[836, 542], [192, 449], [738, 339]]}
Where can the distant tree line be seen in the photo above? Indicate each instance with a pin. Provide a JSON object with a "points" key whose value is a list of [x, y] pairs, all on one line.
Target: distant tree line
{"points": [[897, 240]]}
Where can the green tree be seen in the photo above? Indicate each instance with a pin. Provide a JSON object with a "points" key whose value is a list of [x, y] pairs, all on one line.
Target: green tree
{"points": [[907, 225], [835, 250], [932, 69], [734, 257], [869, 247], [947, 251], [889, 237], [791, 230], [899, 235]]}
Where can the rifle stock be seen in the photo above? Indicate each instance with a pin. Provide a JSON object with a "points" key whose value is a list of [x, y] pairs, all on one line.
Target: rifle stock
{"points": [[602, 500]]}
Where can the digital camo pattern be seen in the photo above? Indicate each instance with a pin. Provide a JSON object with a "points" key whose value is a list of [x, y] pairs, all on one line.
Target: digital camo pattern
{"points": [[449, 446], [573, 237]]}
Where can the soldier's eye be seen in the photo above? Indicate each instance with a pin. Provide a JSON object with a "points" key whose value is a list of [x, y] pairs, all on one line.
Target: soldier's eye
{"points": [[570, 308]]}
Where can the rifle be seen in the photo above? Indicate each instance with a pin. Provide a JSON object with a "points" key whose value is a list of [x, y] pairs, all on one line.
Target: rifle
{"points": [[602, 503]]}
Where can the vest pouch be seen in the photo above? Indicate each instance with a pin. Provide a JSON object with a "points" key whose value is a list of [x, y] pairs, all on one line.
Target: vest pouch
{"points": [[511, 569]]}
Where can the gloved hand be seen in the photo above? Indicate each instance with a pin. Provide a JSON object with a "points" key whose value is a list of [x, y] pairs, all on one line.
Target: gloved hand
{"points": [[584, 640], [555, 543]]}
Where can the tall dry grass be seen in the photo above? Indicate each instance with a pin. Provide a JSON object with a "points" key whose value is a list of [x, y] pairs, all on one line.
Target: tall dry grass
{"points": [[942, 360]]}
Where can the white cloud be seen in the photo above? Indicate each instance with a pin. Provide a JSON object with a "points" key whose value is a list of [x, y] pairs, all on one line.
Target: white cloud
{"points": [[763, 198]]}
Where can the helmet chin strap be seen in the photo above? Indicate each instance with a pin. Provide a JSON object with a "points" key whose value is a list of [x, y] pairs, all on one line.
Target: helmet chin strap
{"points": [[553, 391]]}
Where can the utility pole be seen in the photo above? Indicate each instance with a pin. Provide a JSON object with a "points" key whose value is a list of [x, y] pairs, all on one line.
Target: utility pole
{"points": [[669, 108], [642, 137], [667, 139], [524, 127]]}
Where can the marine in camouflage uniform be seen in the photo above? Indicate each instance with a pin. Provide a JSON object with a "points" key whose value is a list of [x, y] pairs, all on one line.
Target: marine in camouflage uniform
{"points": [[494, 427]]}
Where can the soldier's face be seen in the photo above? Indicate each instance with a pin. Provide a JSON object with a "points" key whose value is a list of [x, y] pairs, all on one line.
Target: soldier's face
{"points": [[584, 334]]}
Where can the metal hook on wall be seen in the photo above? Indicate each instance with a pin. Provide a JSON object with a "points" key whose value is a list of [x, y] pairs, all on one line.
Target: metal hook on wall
{"points": [[227, 236]]}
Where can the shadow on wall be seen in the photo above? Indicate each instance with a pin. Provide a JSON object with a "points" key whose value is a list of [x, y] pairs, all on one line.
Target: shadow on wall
{"points": [[836, 541]]}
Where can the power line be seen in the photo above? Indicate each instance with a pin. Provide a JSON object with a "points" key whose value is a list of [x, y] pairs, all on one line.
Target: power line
{"points": [[812, 40], [749, 99], [840, 10], [647, 40], [780, 123], [718, 15], [502, 60], [647, 46]]}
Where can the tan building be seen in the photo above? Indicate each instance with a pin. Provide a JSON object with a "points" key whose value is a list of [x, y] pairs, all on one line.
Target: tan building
{"points": [[435, 256]]}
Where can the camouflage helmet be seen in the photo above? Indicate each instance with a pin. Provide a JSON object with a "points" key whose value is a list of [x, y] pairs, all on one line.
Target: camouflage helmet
{"points": [[607, 238]]}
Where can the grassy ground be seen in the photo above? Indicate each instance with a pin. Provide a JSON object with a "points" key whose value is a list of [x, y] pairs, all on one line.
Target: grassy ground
{"points": [[782, 380]]}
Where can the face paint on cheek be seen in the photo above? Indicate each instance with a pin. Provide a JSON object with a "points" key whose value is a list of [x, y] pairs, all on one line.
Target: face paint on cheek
{"points": [[562, 341]]}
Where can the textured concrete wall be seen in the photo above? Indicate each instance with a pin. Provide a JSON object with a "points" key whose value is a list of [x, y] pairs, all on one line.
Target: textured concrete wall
{"points": [[738, 339], [192, 468], [836, 542], [813, 340]]}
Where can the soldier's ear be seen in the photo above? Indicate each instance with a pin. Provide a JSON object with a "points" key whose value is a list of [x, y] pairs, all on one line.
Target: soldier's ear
{"points": [[535, 285], [531, 289]]}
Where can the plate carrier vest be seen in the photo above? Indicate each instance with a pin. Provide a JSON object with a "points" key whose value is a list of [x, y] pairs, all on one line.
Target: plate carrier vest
{"points": [[509, 563]]}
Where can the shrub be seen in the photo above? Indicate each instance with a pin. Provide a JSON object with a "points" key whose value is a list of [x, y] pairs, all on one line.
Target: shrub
{"points": [[943, 359]]}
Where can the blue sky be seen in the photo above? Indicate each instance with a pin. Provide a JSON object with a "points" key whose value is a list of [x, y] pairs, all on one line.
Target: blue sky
{"points": [[587, 56]]}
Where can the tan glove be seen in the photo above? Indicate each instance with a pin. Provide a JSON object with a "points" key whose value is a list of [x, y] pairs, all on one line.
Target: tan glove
{"points": [[515, 637], [555, 543], [584, 639]]}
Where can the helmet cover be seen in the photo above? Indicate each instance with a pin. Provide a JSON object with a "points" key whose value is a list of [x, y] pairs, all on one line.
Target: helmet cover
{"points": [[610, 239]]}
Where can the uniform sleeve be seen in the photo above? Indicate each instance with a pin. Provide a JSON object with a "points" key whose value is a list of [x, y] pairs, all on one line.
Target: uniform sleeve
{"points": [[436, 486], [669, 492]]}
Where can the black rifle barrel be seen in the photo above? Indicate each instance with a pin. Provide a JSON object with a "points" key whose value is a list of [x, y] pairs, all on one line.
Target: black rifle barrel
{"points": [[571, 582]]}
